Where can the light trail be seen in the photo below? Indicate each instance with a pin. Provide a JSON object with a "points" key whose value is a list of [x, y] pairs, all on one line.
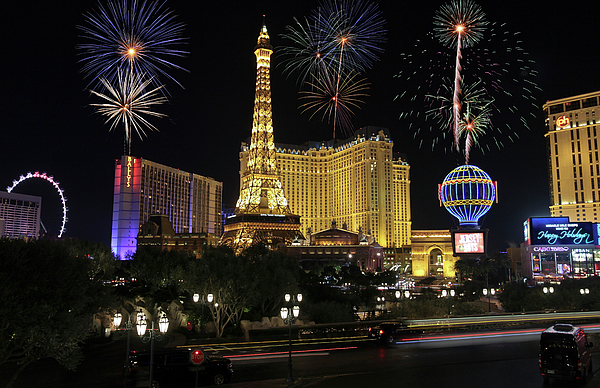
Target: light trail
{"points": [[297, 353]]}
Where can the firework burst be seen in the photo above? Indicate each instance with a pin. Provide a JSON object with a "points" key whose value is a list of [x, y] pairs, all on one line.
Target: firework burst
{"points": [[499, 74], [130, 36], [340, 38], [473, 125], [334, 100], [127, 103], [460, 23]]}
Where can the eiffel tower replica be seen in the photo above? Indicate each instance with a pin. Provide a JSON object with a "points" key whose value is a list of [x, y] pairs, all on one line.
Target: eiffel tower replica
{"points": [[262, 214]]}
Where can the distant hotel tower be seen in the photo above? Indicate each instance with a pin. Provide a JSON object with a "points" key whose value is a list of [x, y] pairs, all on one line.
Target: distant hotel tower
{"points": [[262, 213], [358, 183], [143, 188], [573, 130], [19, 215]]}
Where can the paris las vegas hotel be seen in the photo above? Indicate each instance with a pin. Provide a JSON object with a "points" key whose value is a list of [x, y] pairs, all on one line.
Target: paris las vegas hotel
{"points": [[358, 183]]}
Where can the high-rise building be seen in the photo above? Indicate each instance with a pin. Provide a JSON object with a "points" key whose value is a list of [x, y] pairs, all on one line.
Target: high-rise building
{"points": [[573, 130], [19, 215], [143, 188], [357, 182], [262, 213]]}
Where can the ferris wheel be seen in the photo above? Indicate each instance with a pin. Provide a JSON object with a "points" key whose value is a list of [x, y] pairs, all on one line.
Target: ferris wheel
{"points": [[61, 213]]}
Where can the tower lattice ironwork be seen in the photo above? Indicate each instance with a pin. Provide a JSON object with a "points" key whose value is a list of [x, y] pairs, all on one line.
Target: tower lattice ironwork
{"points": [[262, 213]]}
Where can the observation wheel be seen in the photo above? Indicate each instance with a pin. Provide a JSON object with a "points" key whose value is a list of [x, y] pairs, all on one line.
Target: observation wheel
{"points": [[54, 203]]}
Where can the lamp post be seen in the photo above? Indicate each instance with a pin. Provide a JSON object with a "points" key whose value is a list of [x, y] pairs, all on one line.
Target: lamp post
{"points": [[128, 326], [402, 295], [548, 291], [289, 314], [209, 299], [489, 294], [381, 304], [448, 294], [584, 291], [163, 326]]}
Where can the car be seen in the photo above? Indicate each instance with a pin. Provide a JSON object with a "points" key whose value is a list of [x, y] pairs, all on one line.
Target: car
{"points": [[564, 353], [172, 367], [390, 332]]}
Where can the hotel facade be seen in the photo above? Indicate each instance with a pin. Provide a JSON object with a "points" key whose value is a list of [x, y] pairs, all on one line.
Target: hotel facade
{"points": [[357, 182], [143, 188], [20, 215], [573, 131]]}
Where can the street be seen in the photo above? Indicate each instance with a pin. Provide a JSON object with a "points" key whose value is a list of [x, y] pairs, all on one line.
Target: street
{"points": [[507, 358]]}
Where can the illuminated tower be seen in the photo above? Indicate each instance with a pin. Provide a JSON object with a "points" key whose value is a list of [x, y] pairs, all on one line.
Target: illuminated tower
{"points": [[262, 214]]}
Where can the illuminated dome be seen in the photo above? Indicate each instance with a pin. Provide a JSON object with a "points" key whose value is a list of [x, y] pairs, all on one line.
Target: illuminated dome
{"points": [[467, 193]]}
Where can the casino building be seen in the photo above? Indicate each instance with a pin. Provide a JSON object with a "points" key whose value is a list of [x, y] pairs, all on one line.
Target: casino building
{"points": [[19, 215], [573, 131], [191, 202], [358, 182], [556, 248]]}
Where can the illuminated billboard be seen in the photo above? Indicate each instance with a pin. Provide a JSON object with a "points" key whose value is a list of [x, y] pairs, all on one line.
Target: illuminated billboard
{"points": [[535, 223], [559, 231], [468, 242]]}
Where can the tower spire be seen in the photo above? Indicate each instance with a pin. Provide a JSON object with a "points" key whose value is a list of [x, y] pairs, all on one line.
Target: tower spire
{"points": [[262, 213], [261, 190]]}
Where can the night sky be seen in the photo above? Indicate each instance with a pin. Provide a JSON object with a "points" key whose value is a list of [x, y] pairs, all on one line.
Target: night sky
{"points": [[47, 125]]}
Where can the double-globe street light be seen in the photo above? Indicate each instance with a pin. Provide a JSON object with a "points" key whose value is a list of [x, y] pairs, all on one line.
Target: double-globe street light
{"points": [[402, 295], [489, 293], [548, 291], [289, 314], [142, 324], [450, 294], [209, 299]]}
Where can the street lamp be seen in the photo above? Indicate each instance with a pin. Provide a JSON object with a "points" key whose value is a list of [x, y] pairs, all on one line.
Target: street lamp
{"points": [[448, 294], [381, 303], [584, 291], [163, 326], [289, 314], [489, 294], [196, 299], [547, 291], [402, 295], [118, 318]]}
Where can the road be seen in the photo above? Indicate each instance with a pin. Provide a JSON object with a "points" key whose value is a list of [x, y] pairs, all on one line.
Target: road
{"points": [[507, 358], [502, 358]]}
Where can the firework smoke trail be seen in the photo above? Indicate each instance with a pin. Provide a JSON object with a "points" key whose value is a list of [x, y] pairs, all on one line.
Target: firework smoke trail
{"points": [[475, 120], [340, 37], [130, 36], [458, 22], [501, 68], [128, 102]]}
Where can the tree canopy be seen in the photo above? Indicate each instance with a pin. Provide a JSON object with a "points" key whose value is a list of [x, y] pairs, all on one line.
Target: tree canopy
{"points": [[48, 299]]}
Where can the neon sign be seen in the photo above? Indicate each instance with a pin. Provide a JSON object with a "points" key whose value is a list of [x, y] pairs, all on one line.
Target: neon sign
{"points": [[550, 249], [129, 170], [564, 234], [563, 121]]}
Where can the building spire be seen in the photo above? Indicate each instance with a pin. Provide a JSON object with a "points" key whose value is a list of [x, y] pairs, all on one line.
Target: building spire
{"points": [[261, 190], [262, 214]]}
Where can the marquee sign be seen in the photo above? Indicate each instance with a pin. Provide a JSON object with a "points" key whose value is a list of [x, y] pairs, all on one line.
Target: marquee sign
{"points": [[563, 121], [469, 242], [560, 233]]}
